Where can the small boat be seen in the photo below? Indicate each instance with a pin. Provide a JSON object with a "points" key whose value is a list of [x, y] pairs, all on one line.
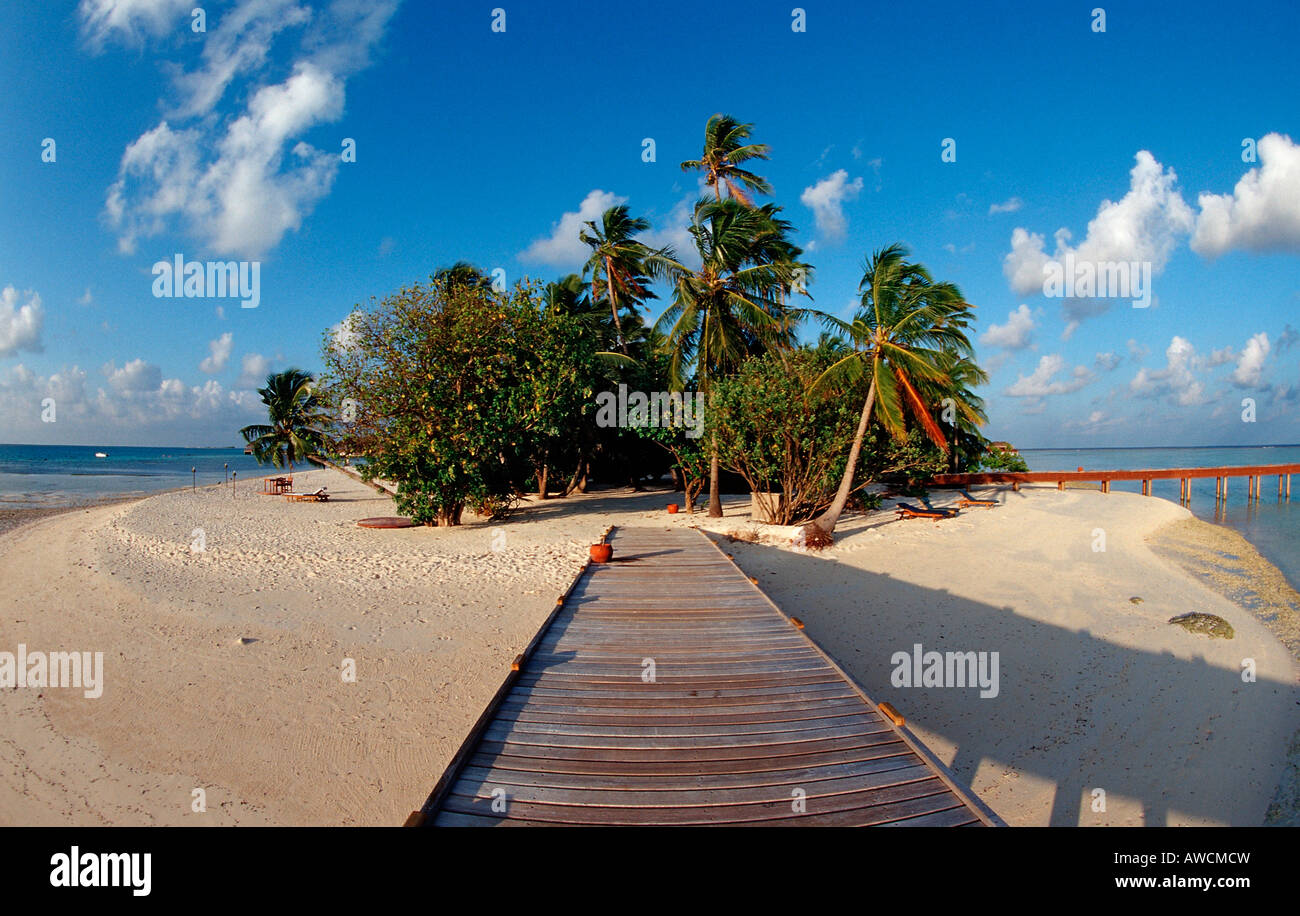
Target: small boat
{"points": [[100, 455]]}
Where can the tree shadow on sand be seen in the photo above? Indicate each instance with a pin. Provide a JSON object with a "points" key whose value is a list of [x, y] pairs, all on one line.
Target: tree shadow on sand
{"points": [[1072, 710]]}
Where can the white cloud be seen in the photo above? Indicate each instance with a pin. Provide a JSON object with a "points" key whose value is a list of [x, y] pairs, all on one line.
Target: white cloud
{"points": [[137, 405], [1015, 334], [1144, 225], [239, 183], [237, 42], [1250, 365], [1221, 357], [564, 247], [344, 333], [253, 371], [1108, 361], [826, 199], [20, 325], [219, 354], [130, 18], [1177, 381], [1043, 381], [134, 377], [1263, 211], [86, 298], [1011, 205]]}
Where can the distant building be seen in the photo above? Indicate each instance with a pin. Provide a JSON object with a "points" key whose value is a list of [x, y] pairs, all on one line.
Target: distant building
{"points": [[1005, 448]]}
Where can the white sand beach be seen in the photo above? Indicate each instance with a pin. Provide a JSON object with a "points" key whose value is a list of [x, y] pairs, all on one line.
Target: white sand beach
{"points": [[223, 666]]}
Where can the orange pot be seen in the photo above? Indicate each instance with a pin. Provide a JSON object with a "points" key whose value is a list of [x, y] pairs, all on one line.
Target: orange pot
{"points": [[601, 553], [672, 508]]}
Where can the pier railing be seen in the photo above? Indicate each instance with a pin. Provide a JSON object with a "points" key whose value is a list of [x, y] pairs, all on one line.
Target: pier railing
{"points": [[1254, 475]]}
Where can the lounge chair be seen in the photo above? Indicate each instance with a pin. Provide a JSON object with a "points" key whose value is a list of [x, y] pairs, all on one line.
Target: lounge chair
{"points": [[967, 501], [907, 511], [320, 496]]}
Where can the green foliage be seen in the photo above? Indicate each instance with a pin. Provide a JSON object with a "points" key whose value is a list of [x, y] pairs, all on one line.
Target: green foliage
{"points": [[689, 452], [459, 391], [994, 459], [886, 458], [773, 430]]}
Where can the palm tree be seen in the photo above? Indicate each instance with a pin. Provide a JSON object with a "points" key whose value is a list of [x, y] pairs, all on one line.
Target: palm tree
{"points": [[463, 273], [735, 304], [297, 420], [830, 346], [967, 407], [909, 332], [619, 263], [724, 150]]}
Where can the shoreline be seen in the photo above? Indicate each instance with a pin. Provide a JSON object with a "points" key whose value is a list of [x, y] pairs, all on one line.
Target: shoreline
{"points": [[1227, 562], [13, 519], [223, 666]]}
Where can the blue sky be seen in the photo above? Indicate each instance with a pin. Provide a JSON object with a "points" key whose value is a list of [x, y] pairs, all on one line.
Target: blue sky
{"points": [[474, 144]]}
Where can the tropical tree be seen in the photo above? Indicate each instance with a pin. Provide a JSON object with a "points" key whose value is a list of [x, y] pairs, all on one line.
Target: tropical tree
{"points": [[907, 333], [463, 394], [735, 304], [463, 273], [778, 433], [297, 416], [725, 148], [619, 264]]}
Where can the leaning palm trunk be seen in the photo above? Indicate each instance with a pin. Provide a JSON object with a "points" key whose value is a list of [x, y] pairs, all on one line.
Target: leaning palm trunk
{"points": [[820, 532]]}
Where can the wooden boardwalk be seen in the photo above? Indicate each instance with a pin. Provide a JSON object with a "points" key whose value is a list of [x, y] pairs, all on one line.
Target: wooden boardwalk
{"points": [[666, 688], [1254, 475]]}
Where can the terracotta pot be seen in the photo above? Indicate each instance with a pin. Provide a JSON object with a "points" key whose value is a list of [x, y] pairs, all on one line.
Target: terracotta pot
{"points": [[600, 553], [672, 508]]}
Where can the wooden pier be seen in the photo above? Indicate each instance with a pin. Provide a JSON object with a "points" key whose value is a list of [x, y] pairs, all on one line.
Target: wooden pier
{"points": [[667, 688], [1254, 475]]}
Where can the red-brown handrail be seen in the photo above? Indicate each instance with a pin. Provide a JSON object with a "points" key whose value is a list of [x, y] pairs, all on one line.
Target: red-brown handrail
{"points": [[987, 477], [1254, 472]]}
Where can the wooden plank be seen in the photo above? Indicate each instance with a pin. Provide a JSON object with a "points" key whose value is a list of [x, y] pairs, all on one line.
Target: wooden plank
{"points": [[674, 765], [891, 771], [923, 796], [494, 776], [735, 755], [693, 735]]}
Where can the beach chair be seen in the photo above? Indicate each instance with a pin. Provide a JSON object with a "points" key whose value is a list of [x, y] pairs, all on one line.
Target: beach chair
{"points": [[320, 496], [908, 511], [967, 501]]}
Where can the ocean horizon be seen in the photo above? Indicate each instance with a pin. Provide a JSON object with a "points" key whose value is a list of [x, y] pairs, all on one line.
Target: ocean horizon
{"points": [[60, 476]]}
